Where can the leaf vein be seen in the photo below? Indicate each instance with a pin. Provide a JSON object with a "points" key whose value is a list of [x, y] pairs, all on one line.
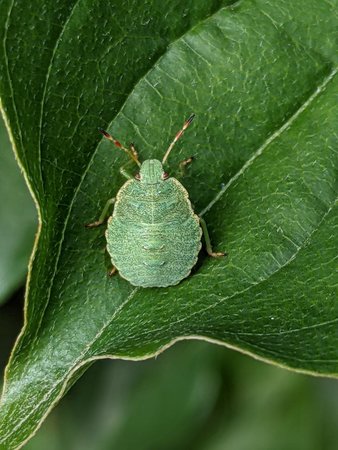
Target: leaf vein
{"points": [[270, 139]]}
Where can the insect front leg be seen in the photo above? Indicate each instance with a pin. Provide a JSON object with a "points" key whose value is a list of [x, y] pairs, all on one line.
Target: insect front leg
{"points": [[134, 151], [123, 169], [103, 215], [207, 240]]}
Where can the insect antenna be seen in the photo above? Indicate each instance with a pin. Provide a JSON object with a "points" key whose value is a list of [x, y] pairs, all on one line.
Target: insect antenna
{"points": [[130, 152], [178, 135]]}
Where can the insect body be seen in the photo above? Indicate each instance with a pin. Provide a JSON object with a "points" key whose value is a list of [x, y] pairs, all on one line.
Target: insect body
{"points": [[153, 235]]}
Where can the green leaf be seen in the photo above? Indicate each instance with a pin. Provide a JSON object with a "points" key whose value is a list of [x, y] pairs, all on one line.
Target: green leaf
{"points": [[261, 78], [17, 221], [194, 396], [183, 384]]}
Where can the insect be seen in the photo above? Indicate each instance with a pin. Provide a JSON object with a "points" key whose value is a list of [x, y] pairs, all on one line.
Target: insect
{"points": [[153, 235]]}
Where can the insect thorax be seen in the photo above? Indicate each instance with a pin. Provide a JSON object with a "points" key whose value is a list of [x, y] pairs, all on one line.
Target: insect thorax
{"points": [[151, 171]]}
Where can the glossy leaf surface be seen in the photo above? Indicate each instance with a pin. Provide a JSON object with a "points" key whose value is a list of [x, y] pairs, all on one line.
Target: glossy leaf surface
{"points": [[261, 78]]}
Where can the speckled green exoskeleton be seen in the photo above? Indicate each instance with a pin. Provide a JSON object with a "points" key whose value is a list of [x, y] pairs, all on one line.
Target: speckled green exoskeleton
{"points": [[153, 236]]}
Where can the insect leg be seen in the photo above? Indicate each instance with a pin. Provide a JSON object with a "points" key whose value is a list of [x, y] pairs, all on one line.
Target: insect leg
{"points": [[112, 271], [103, 215], [207, 240], [183, 165], [125, 172], [133, 150]]}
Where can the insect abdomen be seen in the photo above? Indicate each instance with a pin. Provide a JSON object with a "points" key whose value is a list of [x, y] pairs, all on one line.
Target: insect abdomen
{"points": [[154, 255], [149, 252]]}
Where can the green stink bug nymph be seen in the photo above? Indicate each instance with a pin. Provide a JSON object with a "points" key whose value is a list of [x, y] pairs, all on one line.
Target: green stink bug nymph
{"points": [[153, 236]]}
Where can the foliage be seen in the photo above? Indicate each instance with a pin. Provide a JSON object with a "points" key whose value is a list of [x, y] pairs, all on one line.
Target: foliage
{"points": [[195, 396], [261, 78]]}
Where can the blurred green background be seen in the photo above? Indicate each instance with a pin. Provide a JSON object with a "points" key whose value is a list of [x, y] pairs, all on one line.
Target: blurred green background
{"points": [[194, 396]]}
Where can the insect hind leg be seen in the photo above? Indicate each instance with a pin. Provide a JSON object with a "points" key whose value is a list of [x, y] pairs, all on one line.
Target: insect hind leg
{"points": [[208, 242], [112, 271], [182, 167]]}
